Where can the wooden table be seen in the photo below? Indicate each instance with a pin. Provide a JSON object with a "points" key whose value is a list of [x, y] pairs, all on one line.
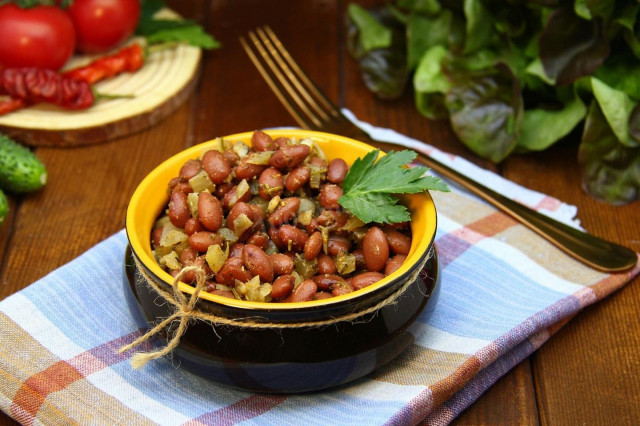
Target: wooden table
{"points": [[588, 373]]}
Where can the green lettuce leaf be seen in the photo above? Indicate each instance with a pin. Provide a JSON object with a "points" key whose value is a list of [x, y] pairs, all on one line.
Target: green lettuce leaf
{"points": [[571, 47], [372, 33], [616, 107], [541, 128], [610, 170], [486, 110], [431, 85]]}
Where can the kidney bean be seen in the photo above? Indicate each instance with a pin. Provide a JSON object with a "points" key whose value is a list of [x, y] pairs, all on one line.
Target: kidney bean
{"points": [[337, 170], [257, 262], [233, 269], [399, 243], [173, 182], [248, 171], [394, 263], [326, 265], [280, 142], [236, 250], [257, 212], [239, 208], [231, 198], [223, 293], [365, 279], [319, 162], [282, 264], [282, 286], [327, 281], [156, 235], [341, 288], [336, 244], [375, 248], [210, 211], [260, 239], [200, 241], [187, 256], [178, 209], [274, 234], [312, 226], [359, 255], [294, 238], [313, 246], [260, 141], [304, 292], [329, 195], [193, 225], [222, 189], [286, 211], [321, 295], [297, 178], [270, 183], [182, 187], [288, 157], [231, 157], [216, 166], [190, 169]]}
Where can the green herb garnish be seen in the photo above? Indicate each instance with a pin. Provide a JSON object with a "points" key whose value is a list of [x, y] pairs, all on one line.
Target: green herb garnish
{"points": [[369, 188], [160, 31]]}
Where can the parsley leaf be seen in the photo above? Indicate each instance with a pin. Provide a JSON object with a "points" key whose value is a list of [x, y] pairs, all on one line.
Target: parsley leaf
{"points": [[369, 187]]}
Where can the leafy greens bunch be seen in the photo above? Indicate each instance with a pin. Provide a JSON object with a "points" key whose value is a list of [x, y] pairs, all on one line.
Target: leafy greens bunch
{"points": [[516, 76]]}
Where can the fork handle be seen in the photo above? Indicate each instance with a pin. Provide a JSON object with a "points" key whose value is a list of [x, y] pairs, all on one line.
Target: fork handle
{"points": [[589, 249]]}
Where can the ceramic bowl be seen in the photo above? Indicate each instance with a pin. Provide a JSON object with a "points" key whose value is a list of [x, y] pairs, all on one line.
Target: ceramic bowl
{"points": [[284, 357]]}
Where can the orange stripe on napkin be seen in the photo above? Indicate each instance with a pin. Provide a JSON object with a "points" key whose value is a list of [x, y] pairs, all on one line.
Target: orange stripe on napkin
{"points": [[34, 390]]}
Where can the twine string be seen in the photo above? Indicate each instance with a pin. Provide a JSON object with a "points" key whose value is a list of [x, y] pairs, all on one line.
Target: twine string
{"points": [[185, 310]]}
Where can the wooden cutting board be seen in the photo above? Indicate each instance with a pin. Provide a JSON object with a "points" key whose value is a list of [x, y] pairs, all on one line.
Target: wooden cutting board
{"points": [[158, 88]]}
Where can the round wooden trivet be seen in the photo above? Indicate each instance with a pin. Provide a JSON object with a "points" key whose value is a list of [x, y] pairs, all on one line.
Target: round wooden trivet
{"points": [[158, 88]]}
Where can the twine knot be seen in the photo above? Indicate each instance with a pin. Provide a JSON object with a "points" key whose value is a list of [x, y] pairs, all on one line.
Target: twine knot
{"points": [[184, 312]]}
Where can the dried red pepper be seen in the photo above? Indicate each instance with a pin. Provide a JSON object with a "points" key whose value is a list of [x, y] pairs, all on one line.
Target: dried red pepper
{"points": [[128, 59], [69, 90], [34, 85]]}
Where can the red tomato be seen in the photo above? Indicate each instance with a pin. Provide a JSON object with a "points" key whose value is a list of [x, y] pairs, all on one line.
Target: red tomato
{"points": [[103, 24], [42, 36]]}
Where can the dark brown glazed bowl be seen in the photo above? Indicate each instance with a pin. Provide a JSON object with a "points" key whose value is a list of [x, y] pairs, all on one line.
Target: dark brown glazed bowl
{"points": [[282, 357]]}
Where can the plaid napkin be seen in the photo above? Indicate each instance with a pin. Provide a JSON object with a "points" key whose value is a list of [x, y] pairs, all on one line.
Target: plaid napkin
{"points": [[504, 292]]}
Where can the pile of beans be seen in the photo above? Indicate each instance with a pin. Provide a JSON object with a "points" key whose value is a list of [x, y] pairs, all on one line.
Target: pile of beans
{"points": [[265, 224]]}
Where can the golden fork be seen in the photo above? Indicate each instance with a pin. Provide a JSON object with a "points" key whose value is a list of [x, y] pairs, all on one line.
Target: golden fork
{"points": [[314, 111]]}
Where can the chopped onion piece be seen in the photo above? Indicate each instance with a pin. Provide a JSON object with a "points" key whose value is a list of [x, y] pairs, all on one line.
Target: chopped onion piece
{"points": [[241, 224], [201, 182], [171, 260], [261, 158], [172, 235], [273, 203], [228, 235], [215, 257], [345, 263], [192, 202], [241, 148]]}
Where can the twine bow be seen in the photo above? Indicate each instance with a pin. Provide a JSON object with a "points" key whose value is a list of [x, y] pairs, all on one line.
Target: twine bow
{"points": [[184, 312]]}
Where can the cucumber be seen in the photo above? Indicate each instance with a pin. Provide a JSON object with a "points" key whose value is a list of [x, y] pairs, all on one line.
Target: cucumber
{"points": [[4, 206], [20, 169]]}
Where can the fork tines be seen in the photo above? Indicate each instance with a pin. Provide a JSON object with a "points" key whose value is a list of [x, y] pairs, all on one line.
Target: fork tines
{"points": [[304, 101]]}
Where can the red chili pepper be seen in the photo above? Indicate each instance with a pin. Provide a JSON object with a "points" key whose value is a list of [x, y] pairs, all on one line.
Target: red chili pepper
{"points": [[43, 85], [127, 59], [12, 104]]}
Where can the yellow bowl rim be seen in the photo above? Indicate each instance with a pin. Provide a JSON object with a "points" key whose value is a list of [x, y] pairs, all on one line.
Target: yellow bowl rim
{"points": [[141, 248]]}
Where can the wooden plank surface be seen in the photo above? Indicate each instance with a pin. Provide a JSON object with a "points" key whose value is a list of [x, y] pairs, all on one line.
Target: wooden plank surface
{"points": [[588, 373]]}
